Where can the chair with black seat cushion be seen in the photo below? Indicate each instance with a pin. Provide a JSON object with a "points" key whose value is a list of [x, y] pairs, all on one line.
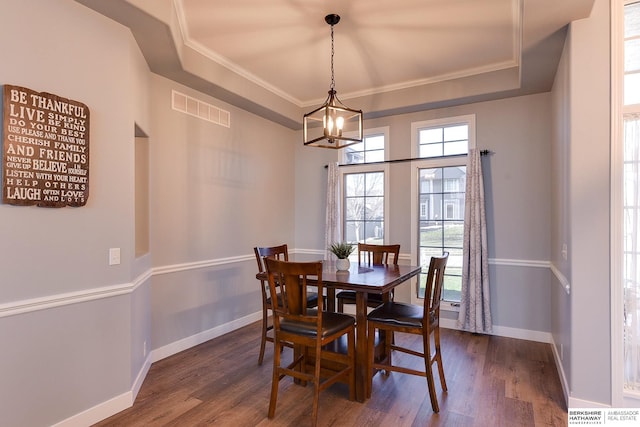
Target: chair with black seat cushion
{"points": [[309, 330], [277, 252], [413, 319], [370, 255]]}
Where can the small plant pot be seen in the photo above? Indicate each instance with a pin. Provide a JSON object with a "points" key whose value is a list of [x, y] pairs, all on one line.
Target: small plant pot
{"points": [[343, 264]]}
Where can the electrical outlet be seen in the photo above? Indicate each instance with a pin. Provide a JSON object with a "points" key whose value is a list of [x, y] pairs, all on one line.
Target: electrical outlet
{"points": [[564, 251], [114, 256]]}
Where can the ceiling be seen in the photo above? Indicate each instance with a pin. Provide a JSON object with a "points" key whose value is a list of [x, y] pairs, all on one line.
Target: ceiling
{"points": [[273, 57]]}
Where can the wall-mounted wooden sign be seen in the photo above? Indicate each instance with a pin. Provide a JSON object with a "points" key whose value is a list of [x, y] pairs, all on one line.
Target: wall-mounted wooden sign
{"points": [[45, 158]]}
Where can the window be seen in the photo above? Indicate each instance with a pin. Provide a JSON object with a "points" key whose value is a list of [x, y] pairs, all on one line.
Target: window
{"points": [[363, 189], [442, 228], [439, 195], [632, 54], [371, 149], [630, 198], [625, 205], [445, 140], [364, 207]]}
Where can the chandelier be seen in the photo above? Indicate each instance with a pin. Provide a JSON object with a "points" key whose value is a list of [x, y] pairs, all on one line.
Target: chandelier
{"points": [[333, 125]]}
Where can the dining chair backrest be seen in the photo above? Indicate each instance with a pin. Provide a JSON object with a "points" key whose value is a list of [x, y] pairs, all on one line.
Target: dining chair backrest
{"points": [[293, 278], [276, 252], [279, 252], [433, 287], [377, 254]]}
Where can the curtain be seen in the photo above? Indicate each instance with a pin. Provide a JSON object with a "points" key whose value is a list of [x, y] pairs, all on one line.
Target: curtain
{"points": [[631, 264], [332, 229], [475, 309]]}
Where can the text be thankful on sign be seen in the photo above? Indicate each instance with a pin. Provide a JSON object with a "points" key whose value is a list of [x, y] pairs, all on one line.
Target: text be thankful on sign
{"points": [[45, 149]]}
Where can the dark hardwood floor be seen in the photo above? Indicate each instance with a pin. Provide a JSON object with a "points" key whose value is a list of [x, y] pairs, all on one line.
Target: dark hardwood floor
{"points": [[492, 381]]}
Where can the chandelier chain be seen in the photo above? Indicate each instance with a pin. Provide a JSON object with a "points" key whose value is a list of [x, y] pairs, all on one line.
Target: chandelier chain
{"points": [[333, 81]]}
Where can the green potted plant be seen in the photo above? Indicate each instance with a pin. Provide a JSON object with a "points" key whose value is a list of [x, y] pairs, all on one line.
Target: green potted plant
{"points": [[342, 251]]}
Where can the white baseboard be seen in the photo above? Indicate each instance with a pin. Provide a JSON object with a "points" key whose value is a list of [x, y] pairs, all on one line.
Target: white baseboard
{"points": [[135, 389], [99, 412], [522, 334], [110, 407], [504, 331], [563, 377], [580, 403], [199, 338], [572, 402]]}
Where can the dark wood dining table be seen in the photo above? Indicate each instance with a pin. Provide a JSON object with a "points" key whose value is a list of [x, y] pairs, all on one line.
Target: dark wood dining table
{"points": [[363, 280]]}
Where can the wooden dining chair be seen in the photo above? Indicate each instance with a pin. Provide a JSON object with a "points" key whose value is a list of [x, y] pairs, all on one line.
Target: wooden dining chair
{"points": [[277, 252], [370, 255], [413, 319], [309, 330]]}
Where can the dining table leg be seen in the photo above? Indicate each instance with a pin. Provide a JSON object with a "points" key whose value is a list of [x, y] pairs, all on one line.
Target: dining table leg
{"points": [[361, 346], [331, 300]]}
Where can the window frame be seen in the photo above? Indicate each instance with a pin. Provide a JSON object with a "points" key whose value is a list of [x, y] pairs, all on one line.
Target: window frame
{"points": [[433, 162], [620, 397], [355, 168]]}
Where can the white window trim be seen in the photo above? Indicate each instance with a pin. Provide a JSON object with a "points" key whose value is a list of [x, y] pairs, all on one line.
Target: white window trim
{"points": [[445, 161], [469, 119], [620, 398], [617, 304], [368, 167]]}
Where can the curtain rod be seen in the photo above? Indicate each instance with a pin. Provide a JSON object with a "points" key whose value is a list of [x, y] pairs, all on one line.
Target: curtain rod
{"points": [[482, 153]]}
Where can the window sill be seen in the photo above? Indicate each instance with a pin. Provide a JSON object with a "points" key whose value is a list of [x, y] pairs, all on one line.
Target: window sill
{"points": [[450, 306]]}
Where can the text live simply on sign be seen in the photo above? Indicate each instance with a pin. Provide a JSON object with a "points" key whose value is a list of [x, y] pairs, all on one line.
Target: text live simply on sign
{"points": [[46, 149]]}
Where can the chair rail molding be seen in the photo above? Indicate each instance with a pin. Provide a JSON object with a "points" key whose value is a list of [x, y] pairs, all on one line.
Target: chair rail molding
{"points": [[51, 301], [58, 300], [562, 280]]}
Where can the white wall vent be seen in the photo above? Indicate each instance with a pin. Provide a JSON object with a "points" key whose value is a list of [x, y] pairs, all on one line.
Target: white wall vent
{"points": [[202, 110]]}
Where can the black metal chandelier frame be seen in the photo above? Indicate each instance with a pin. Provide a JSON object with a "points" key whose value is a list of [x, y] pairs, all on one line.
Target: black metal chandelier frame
{"points": [[332, 125]]}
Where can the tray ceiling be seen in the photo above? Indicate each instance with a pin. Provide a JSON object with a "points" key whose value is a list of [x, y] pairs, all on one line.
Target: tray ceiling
{"points": [[273, 57]]}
